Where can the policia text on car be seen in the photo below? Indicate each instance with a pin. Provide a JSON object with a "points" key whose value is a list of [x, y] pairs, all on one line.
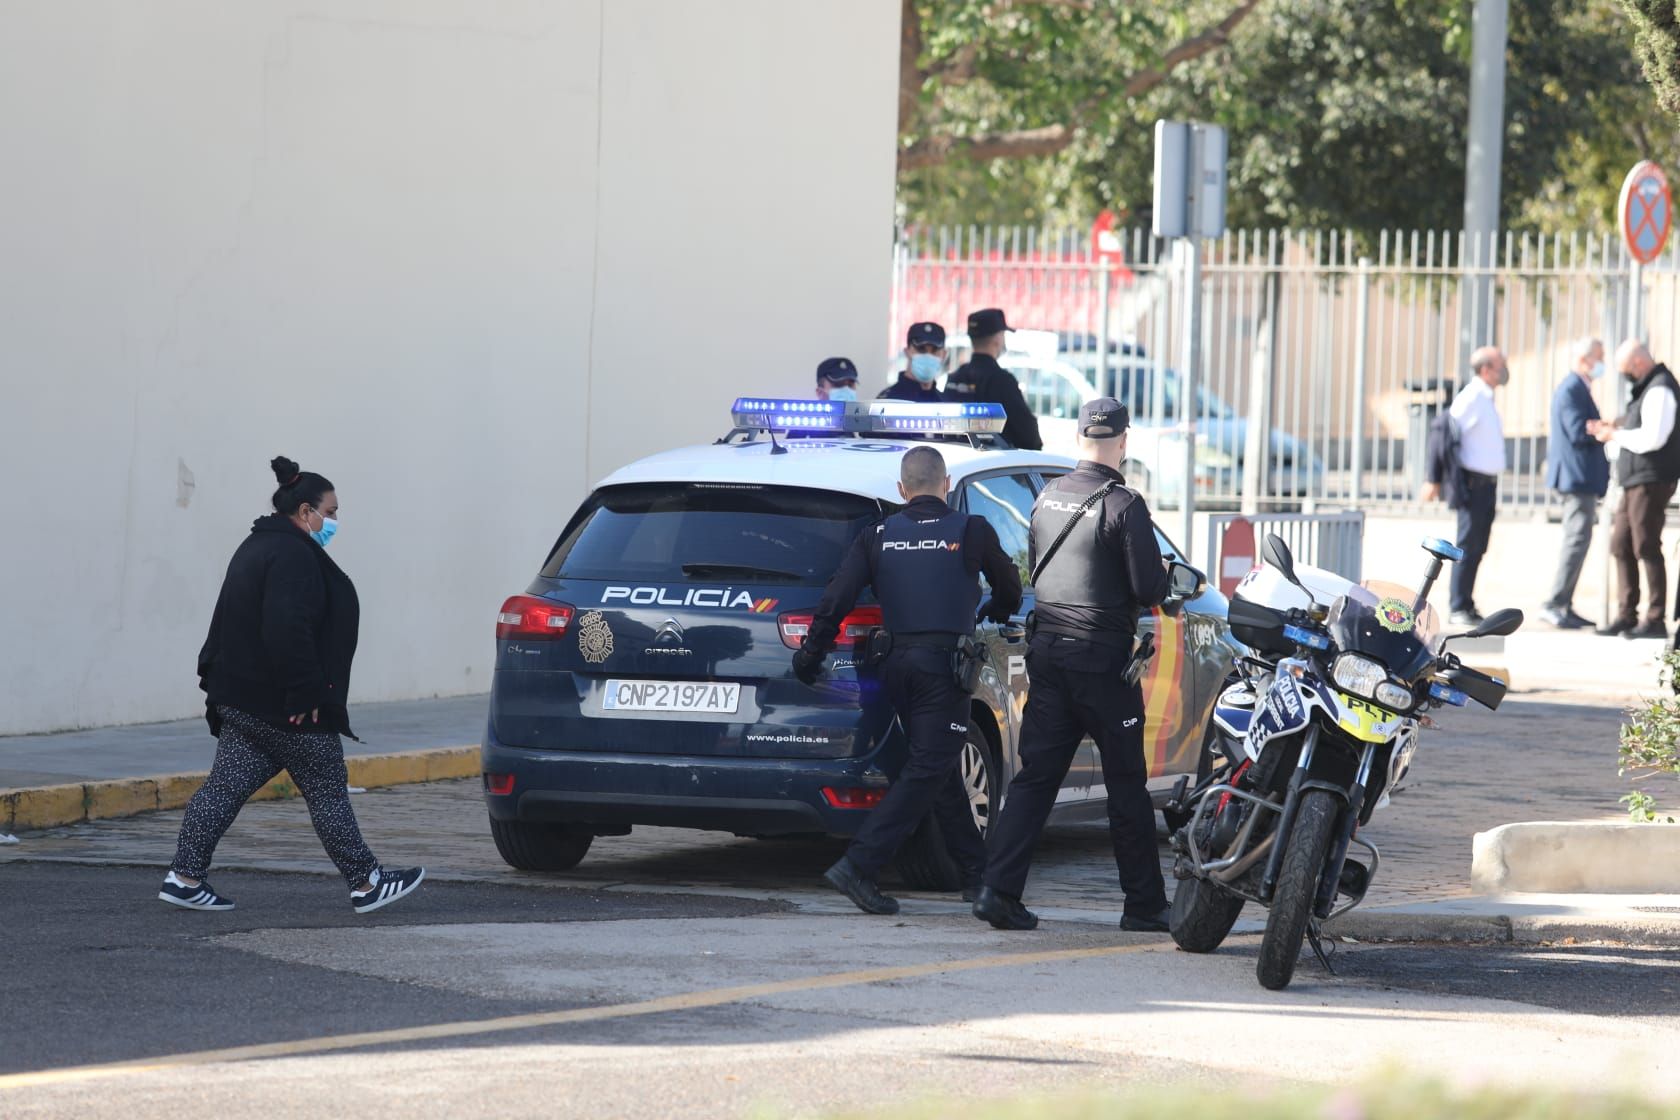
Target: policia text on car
{"points": [[1095, 562], [924, 563]]}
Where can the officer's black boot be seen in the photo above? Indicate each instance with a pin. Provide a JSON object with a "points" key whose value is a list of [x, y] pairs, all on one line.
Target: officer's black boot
{"points": [[1003, 911], [849, 881], [1148, 923]]}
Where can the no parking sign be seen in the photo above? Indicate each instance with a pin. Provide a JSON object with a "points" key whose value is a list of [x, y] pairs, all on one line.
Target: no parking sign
{"points": [[1645, 211]]}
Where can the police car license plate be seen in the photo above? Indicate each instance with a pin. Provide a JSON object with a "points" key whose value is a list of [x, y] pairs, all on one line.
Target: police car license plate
{"points": [[671, 696]]}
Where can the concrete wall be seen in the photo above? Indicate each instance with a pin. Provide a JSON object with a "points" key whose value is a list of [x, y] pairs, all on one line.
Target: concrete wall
{"points": [[461, 256]]}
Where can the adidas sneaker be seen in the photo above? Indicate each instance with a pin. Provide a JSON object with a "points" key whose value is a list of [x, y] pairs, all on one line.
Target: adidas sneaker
{"points": [[385, 887], [200, 897]]}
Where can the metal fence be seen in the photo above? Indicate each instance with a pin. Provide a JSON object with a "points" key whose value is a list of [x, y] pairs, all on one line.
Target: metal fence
{"points": [[1324, 358], [1332, 541]]}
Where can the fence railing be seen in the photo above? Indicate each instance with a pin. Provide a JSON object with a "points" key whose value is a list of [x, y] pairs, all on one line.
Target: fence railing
{"points": [[1324, 356], [1332, 541]]}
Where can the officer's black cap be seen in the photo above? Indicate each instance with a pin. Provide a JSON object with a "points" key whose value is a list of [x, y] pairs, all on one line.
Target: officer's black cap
{"points": [[836, 369], [926, 334], [1104, 418], [987, 322]]}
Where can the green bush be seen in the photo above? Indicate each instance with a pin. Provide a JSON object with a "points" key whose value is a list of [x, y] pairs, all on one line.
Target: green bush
{"points": [[1650, 744]]}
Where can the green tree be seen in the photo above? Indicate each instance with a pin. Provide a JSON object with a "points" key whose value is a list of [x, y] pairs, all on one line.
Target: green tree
{"points": [[1342, 113], [1656, 27]]}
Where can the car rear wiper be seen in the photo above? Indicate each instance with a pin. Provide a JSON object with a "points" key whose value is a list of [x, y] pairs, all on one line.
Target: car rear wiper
{"points": [[732, 571]]}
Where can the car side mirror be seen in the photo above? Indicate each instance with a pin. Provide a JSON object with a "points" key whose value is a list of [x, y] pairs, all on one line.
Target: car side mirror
{"points": [[1183, 581]]}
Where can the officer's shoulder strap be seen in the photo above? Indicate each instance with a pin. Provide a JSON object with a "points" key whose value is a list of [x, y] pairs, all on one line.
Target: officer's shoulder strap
{"points": [[1091, 499]]}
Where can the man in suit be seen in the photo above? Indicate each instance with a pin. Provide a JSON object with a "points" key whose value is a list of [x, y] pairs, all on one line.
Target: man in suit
{"points": [[1577, 468]]}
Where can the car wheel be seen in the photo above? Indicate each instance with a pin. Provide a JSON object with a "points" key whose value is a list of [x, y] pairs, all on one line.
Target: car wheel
{"points": [[540, 847], [922, 860]]}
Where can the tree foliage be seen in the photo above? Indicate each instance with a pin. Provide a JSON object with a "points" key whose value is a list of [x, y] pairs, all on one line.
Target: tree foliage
{"points": [[1342, 113], [1656, 27]]}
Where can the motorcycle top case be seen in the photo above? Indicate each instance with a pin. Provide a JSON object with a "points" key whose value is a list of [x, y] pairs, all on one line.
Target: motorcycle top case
{"points": [[1260, 600]]}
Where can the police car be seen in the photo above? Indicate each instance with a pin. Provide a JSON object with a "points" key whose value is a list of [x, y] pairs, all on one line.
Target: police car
{"points": [[644, 677]]}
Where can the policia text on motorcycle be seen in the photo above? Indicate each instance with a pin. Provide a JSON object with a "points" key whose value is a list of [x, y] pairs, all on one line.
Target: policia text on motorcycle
{"points": [[924, 564], [1095, 562]]}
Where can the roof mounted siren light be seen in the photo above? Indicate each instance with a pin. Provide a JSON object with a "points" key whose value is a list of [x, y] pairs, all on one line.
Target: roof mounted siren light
{"points": [[875, 418]]}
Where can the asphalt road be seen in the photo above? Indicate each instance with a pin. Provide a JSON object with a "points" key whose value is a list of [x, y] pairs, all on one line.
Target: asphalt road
{"points": [[673, 1004]]}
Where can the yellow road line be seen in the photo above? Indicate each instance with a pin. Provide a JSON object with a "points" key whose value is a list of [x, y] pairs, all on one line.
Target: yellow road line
{"points": [[687, 1001]]}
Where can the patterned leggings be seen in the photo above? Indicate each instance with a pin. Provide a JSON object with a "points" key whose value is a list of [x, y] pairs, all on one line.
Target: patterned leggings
{"points": [[248, 754]]}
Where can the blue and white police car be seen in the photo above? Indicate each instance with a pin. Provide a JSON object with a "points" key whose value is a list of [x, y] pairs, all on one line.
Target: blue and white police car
{"points": [[644, 676]]}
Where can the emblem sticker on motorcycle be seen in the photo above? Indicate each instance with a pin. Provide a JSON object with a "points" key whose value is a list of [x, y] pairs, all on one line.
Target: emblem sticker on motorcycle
{"points": [[1395, 615], [595, 638]]}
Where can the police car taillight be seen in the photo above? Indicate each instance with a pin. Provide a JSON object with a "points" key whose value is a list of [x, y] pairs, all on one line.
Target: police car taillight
{"points": [[859, 623], [526, 616]]}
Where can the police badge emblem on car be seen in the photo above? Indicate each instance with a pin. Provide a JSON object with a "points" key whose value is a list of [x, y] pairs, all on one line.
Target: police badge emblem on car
{"points": [[595, 638]]}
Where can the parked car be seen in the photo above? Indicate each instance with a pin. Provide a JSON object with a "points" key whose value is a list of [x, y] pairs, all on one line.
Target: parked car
{"points": [[644, 676]]}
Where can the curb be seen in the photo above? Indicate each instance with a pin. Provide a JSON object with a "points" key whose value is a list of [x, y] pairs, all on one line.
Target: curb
{"points": [[1576, 857], [52, 806], [1375, 925]]}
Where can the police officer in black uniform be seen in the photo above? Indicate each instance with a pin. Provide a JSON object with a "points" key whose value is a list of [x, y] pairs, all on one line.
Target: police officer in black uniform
{"points": [[1088, 592], [982, 379], [924, 563], [924, 364]]}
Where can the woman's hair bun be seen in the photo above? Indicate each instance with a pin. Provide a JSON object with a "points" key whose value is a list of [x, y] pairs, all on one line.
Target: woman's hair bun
{"points": [[284, 470]]}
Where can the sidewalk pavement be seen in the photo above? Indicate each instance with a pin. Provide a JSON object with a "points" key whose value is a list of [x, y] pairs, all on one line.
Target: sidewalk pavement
{"points": [[49, 780]]}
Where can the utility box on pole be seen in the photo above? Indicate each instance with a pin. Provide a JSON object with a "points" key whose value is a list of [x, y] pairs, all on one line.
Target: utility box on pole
{"points": [[1190, 205]]}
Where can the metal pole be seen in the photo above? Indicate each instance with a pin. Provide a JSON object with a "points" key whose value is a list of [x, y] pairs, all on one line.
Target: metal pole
{"points": [[1482, 170], [1361, 334], [1636, 303], [1192, 249], [1103, 385]]}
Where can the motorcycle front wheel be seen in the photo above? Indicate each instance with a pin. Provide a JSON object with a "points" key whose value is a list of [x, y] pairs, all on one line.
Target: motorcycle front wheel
{"points": [[1202, 915], [1303, 863]]}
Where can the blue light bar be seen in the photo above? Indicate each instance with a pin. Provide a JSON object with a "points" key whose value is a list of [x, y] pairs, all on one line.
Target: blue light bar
{"points": [[770, 414], [1312, 639], [867, 417], [1448, 695]]}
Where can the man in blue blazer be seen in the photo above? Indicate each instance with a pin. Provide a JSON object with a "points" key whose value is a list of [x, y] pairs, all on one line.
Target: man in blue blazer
{"points": [[1578, 469]]}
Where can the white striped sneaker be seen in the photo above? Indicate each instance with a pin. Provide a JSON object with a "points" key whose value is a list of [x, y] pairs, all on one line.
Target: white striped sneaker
{"points": [[200, 897], [385, 888]]}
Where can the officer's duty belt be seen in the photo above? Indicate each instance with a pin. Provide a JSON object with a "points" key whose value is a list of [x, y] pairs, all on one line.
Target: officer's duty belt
{"points": [[1101, 637], [931, 638]]}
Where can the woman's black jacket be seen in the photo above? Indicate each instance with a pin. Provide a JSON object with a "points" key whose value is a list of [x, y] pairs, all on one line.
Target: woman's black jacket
{"points": [[284, 632]]}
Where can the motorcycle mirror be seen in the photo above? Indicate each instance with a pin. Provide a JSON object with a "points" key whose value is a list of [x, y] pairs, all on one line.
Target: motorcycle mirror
{"points": [[1276, 553], [1498, 624]]}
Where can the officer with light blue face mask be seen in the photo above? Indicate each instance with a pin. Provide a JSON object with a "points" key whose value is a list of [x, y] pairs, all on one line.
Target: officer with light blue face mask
{"points": [[924, 364], [837, 380]]}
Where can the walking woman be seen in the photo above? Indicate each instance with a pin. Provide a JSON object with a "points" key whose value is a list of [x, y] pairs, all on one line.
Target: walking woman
{"points": [[276, 671]]}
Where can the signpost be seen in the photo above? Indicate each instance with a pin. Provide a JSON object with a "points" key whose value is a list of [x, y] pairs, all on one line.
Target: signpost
{"points": [[1189, 205], [1107, 251], [1645, 216]]}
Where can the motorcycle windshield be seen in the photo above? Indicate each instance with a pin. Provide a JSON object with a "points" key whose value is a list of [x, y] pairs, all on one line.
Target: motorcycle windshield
{"points": [[1376, 620]]}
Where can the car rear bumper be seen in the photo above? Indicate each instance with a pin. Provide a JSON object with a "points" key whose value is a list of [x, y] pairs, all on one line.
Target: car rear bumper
{"points": [[746, 796]]}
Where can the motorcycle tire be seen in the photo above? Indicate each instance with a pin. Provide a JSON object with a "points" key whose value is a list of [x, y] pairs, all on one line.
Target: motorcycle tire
{"points": [[1202, 915], [1303, 863]]}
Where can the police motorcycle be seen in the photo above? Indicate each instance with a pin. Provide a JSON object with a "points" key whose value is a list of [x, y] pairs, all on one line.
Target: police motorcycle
{"points": [[1315, 729]]}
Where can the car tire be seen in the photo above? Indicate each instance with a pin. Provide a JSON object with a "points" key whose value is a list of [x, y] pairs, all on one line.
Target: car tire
{"points": [[540, 847], [922, 861]]}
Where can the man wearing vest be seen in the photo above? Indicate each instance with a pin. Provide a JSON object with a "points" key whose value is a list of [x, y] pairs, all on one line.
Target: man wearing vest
{"points": [[1646, 443], [924, 563], [1089, 590]]}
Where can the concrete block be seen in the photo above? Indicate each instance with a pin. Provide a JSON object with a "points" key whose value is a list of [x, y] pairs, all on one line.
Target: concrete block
{"points": [[455, 762], [374, 770], [1577, 857], [123, 797], [47, 806], [175, 790]]}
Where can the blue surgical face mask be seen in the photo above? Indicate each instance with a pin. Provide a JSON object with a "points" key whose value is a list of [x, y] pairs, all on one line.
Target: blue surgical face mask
{"points": [[842, 394], [1597, 371], [328, 530], [926, 368]]}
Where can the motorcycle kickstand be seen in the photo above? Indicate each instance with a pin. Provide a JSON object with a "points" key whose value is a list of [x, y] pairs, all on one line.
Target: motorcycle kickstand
{"points": [[1318, 948]]}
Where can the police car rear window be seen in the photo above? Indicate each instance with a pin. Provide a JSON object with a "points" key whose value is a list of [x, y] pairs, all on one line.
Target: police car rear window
{"points": [[675, 533]]}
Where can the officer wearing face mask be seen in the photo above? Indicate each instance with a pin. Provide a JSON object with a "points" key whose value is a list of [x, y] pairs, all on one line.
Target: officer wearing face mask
{"points": [[837, 380], [924, 364]]}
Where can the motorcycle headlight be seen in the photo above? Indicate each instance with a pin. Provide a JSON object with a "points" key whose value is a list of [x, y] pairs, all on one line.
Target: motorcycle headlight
{"points": [[1393, 696], [1360, 676]]}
